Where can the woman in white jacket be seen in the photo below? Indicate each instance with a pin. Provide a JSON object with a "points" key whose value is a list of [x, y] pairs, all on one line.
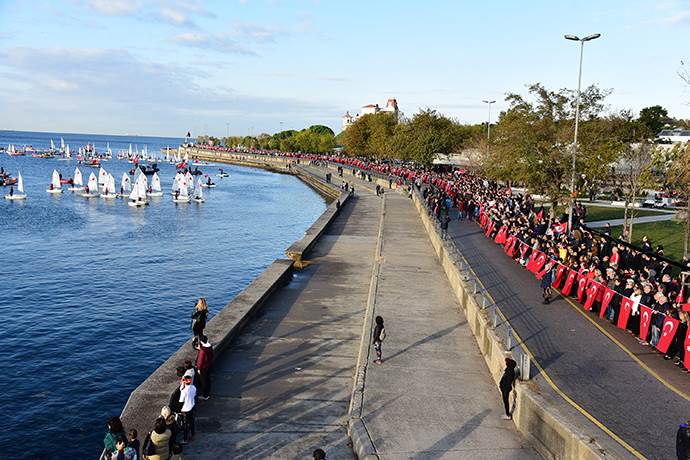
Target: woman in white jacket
{"points": [[634, 320]]}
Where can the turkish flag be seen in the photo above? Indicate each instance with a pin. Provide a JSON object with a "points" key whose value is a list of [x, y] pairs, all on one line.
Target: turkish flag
{"points": [[624, 314], [539, 262], [569, 282], [532, 260], [501, 235], [540, 214], [645, 321], [490, 228], [668, 332], [559, 275], [509, 248], [560, 228], [581, 286], [592, 294], [680, 298], [686, 344], [523, 249], [608, 297]]}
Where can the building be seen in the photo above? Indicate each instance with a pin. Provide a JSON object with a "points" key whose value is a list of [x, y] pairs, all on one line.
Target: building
{"points": [[370, 109], [673, 136]]}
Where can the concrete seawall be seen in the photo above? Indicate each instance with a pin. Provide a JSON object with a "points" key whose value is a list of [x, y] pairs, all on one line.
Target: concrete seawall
{"points": [[145, 402], [553, 433]]}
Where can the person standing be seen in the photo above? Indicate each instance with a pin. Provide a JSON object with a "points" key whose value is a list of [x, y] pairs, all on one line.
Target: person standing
{"points": [[506, 384], [683, 441], [188, 400], [379, 336], [115, 429], [199, 316], [546, 281], [160, 438], [204, 363]]}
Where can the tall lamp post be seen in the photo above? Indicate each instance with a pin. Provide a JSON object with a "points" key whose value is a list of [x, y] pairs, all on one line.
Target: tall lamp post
{"points": [[577, 121], [488, 124]]}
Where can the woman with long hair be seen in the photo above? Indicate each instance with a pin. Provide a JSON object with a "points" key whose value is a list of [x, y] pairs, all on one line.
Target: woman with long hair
{"points": [[199, 316]]}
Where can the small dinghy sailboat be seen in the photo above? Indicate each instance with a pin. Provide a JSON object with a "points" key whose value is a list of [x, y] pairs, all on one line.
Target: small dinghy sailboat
{"points": [[91, 189], [182, 193], [20, 189], [55, 186], [198, 192], [125, 186], [78, 183], [109, 188], [137, 197], [155, 186], [222, 173]]}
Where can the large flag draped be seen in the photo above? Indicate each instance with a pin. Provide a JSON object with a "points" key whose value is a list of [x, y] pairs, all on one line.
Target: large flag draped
{"points": [[569, 282], [559, 275], [592, 294], [668, 332], [581, 286], [608, 296], [645, 321], [624, 314]]}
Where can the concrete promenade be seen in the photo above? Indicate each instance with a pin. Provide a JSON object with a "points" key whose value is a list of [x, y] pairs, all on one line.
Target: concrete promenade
{"points": [[433, 396], [283, 387]]}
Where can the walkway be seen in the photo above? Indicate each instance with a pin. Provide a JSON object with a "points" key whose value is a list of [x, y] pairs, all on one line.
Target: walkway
{"points": [[283, 387], [597, 374], [433, 396], [638, 220]]}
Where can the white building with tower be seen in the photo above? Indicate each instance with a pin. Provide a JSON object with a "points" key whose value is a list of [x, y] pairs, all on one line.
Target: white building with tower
{"points": [[370, 109]]}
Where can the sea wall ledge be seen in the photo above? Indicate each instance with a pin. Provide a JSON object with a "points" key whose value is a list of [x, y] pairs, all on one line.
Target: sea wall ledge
{"points": [[145, 402]]}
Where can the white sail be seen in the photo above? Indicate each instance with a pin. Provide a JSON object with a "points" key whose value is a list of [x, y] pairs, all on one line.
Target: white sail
{"points": [[189, 180], [78, 179], [184, 191], [67, 155], [156, 183], [102, 177], [110, 184], [130, 151], [52, 145], [62, 144], [125, 183], [56, 180], [186, 157], [20, 183], [199, 190], [93, 184], [176, 182]]}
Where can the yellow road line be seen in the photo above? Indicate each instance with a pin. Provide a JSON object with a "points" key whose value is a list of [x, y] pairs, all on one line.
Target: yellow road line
{"points": [[625, 349], [555, 387]]}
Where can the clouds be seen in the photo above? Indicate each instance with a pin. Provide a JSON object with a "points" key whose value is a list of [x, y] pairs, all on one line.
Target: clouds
{"points": [[240, 38], [90, 86], [176, 12]]}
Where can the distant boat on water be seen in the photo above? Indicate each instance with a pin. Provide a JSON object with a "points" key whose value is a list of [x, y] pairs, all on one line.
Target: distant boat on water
{"points": [[55, 186], [20, 189]]}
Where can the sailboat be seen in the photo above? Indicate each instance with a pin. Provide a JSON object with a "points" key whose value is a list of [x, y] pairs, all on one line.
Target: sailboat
{"points": [[55, 186], [20, 189], [182, 194], [52, 145], [209, 183], [137, 197], [78, 183], [125, 185], [198, 192], [109, 189], [155, 186], [102, 179], [91, 190], [62, 144]]}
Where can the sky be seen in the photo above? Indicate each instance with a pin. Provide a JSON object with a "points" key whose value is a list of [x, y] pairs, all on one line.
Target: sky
{"points": [[155, 67]]}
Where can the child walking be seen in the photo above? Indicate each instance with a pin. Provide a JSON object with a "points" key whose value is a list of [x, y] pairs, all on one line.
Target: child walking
{"points": [[379, 336]]}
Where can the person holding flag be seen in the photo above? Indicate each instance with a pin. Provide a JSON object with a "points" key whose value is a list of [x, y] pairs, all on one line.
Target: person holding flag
{"points": [[546, 276]]}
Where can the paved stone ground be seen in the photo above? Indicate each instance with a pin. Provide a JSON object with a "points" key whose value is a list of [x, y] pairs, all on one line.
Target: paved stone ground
{"points": [[583, 362], [433, 396], [638, 220], [283, 389]]}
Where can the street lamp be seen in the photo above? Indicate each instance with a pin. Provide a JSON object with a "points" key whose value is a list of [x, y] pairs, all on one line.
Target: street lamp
{"points": [[577, 120], [488, 125]]}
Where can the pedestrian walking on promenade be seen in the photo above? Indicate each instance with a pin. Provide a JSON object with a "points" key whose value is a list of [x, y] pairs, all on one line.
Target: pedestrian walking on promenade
{"points": [[204, 363], [188, 400], [319, 454], [506, 384], [683, 441], [444, 226], [379, 337], [546, 281], [199, 316]]}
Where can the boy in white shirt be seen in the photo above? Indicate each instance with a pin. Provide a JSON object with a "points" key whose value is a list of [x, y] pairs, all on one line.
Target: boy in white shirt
{"points": [[188, 400]]}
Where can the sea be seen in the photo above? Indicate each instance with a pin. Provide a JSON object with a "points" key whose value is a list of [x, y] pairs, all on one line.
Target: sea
{"points": [[95, 294]]}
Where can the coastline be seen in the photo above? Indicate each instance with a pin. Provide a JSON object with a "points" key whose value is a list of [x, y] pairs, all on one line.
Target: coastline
{"points": [[145, 401]]}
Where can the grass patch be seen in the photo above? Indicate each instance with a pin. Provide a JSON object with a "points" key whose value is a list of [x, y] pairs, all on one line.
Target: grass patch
{"points": [[668, 233], [596, 213]]}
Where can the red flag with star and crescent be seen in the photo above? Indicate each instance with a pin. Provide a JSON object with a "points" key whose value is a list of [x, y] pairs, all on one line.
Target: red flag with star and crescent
{"points": [[569, 282], [581, 286], [608, 297], [645, 321], [592, 293], [538, 262], [624, 314], [560, 271], [668, 332]]}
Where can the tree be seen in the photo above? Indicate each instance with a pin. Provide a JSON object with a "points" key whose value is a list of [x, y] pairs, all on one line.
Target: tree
{"points": [[678, 181], [635, 163], [321, 129], [653, 119], [428, 133], [532, 140]]}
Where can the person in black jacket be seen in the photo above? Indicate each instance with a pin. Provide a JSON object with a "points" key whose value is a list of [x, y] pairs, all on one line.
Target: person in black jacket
{"points": [[379, 334], [506, 385], [683, 441]]}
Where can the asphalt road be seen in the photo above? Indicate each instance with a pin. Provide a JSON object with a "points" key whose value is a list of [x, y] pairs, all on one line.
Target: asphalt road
{"points": [[582, 361]]}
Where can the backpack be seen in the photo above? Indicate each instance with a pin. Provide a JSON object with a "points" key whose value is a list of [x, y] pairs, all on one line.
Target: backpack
{"points": [[382, 334], [148, 448]]}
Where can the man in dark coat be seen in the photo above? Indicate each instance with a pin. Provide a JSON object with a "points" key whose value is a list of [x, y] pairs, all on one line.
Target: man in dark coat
{"points": [[506, 385]]}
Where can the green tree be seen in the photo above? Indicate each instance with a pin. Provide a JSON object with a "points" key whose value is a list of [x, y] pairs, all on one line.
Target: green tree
{"points": [[653, 119], [428, 133]]}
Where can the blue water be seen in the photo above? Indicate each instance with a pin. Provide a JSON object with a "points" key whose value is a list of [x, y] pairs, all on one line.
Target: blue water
{"points": [[94, 294]]}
